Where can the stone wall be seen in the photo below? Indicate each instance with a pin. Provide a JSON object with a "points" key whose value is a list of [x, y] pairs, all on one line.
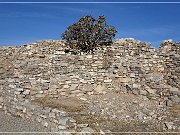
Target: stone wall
{"points": [[43, 69]]}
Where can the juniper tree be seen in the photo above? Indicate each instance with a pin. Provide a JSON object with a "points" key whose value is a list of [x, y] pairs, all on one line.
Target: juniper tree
{"points": [[89, 33]]}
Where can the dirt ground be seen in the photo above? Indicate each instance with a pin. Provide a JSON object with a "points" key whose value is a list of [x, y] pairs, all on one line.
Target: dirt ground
{"points": [[118, 112]]}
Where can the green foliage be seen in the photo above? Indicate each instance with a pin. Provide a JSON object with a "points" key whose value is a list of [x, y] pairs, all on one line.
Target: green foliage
{"points": [[89, 33]]}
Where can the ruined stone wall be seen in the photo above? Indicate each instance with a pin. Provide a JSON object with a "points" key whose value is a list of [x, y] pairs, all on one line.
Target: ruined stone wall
{"points": [[42, 69]]}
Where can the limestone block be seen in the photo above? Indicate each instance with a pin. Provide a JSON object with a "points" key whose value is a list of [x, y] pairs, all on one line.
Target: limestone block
{"points": [[62, 127], [125, 80], [62, 120], [59, 52], [12, 86], [73, 86], [151, 91], [143, 92], [135, 86], [2, 82], [108, 80], [89, 56], [88, 87], [87, 130], [26, 92], [10, 80], [100, 88], [1, 99], [175, 91], [19, 89], [66, 86]]}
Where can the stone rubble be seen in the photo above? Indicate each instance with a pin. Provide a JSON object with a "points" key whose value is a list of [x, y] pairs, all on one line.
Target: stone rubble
{"points": [[43, 69]]}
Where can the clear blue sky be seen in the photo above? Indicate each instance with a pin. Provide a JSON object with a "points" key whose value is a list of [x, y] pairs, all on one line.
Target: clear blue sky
{"points": [[25, 23]]}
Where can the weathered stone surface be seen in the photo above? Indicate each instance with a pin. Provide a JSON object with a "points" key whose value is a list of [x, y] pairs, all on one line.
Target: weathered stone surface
{"points": [[31, 73], [1, 99], [108, 81], [2, 82], [63, 120], [87, 130], [26, 92], [62, 127], [73, 87], [143, 92], [169, 125], [82, 125], [52, 115], [100, 88], [176, 99], [89, 56], [125, 80], [88, 87], [175, 91], [135, 86], [12, 86], [151, 91], [44, 123]]}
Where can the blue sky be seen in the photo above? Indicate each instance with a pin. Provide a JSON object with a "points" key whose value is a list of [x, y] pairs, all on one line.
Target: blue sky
{"points": [[25, 23]]}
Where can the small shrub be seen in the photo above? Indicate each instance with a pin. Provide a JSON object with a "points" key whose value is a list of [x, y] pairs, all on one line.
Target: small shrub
{"points": [[89, 33]]}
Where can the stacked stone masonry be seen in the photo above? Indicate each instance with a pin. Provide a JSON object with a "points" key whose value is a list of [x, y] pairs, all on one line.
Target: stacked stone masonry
{"points": [[44, 69]]}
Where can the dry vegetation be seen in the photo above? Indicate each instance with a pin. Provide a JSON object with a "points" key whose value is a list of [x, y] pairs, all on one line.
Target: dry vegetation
{"points": [[67, 104]]}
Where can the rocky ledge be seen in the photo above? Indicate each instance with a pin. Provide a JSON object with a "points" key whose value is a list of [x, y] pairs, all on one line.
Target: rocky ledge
{"points": [[127, 87]]}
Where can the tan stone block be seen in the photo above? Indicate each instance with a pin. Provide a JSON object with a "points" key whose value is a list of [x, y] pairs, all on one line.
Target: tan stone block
{"points": [[100, 88], [108, 81], [125, 80]]}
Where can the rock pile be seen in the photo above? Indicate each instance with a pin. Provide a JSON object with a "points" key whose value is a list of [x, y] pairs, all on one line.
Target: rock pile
{"points": [[43, 70]]}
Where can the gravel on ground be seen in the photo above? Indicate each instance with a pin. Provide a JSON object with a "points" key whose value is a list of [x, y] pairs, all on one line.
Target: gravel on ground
{"points": [[17, 126]]}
